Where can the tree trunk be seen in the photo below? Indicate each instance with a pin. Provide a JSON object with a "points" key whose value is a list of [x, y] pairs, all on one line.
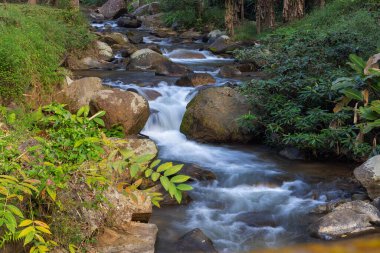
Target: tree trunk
{"points": [[200, 8], [33, 2], [74, 4], [230, 16], [293, 10], [242, 10], [265, 17]]}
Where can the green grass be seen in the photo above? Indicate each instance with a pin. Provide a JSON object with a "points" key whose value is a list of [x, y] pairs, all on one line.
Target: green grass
{"points": [[34, 40], [245, 32]]}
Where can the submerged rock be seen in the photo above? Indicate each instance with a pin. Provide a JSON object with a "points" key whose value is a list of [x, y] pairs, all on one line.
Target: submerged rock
{"points": [[368, 175], [292, 153], [79, 93], [196, 79], [229, 71], [128, 22], [223, 44], [147, 59], [195, 241], [112, 8], [197, 173], [128, 109], [187, 54], [212, 116], [348, 219], [133, 237]]}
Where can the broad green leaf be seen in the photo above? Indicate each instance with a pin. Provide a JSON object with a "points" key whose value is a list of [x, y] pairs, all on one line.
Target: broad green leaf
{"points": [[173, 170], [155, 163], [29, 237], [43, 230], [134, 169], [172, 189], [164, 166], [10, 221], [179, 179], [148, 172], [15, 210], [353, 94], [100, 122], [165, 182], [155, 176], [26, 231], [184, 187], [25, 223], [51, 192], [80, 111], [144, 158], [178, 196], [358, 63]]}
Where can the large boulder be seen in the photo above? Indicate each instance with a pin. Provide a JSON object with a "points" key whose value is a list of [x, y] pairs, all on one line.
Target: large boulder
{"points": [[212, 116], [97, 55], [348, 219], [147, 59], [147, 9], [105, 51], [128, 109], [133, 237], [196, 79], [79, 92], [213, 35], [112, 8], [195, 241], [223, 44], [115, 38], [368, 175], [153, 21]]}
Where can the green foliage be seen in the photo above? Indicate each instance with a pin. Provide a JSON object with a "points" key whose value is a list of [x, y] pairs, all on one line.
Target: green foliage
{"points": [[295, 106], [185, 14], [67, 150], [360, 94], [245, 32], [34, 40]]}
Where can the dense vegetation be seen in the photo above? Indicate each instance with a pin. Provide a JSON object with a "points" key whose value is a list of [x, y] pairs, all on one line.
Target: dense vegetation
{"points": [[52, 160], [295, 106], [34, 40]]}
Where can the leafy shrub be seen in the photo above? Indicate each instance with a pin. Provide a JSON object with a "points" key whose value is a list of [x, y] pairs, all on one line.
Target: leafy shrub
{"points": [[34, 40], [295, 106], [67, 151]]}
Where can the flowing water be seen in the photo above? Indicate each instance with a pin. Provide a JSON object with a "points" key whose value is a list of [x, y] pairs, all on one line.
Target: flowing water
{"points": [[258, 200]]}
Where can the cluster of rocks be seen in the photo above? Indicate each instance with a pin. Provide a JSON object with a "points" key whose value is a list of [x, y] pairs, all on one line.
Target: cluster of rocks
{"points": [[125, 108], [350, 218]]}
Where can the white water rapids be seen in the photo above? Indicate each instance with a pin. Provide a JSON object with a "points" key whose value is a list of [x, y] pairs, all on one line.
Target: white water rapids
{"points": [[253, 203]]}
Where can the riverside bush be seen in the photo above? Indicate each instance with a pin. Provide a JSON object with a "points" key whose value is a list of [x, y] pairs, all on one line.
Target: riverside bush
{"points": [[295, 106], [49, 156], [34, 40]]}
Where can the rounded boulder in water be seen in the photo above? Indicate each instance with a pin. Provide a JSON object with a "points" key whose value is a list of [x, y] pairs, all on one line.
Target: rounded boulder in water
{"points": [[212, 116], [125, 108]]}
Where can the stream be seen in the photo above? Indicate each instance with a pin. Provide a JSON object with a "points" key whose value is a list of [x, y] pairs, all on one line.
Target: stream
{"points": [[259, 199]]}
